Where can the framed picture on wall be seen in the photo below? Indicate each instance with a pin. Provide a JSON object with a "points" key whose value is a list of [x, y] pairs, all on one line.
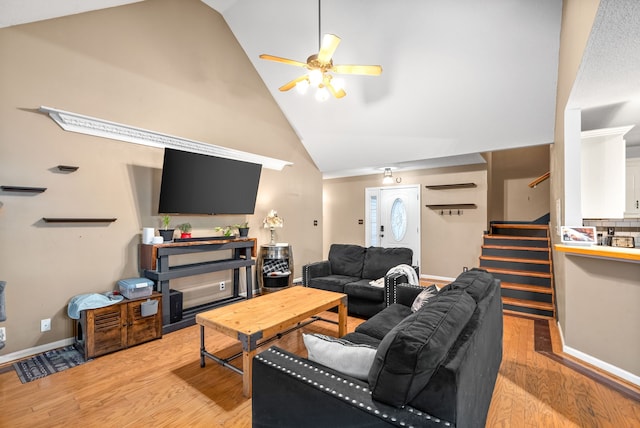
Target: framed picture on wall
{"points": [[579, 235]]}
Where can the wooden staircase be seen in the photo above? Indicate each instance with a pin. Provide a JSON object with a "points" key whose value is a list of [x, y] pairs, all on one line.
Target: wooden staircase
{"points": [[519, 254]]}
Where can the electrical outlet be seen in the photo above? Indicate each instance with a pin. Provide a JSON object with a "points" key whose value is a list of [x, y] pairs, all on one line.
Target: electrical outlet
{"points": [[222, 285], [45, 325], [3, 334]]}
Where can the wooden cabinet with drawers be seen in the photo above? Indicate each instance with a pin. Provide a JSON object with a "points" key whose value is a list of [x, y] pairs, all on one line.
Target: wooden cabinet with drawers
{"points": [[121, 325]]}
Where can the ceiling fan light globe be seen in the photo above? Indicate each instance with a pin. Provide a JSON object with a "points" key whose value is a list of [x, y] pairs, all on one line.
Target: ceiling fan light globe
{"points": [[322, 94], [302, 86], [315, 77]]}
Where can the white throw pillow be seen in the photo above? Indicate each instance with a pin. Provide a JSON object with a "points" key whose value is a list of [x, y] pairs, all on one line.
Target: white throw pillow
{"points": [[424, 297], [339, 354]]}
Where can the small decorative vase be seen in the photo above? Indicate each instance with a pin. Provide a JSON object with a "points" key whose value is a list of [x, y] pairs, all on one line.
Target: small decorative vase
{"points": [[184, 235]]}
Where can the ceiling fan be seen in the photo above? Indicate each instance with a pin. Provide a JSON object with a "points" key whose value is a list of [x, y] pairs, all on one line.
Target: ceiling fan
{"points": [[320, 66]]}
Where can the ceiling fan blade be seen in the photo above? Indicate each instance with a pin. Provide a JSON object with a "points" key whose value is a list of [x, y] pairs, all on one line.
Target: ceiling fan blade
{"points": [[283, 60], [369, 70], [292, 83], [329, 44]]}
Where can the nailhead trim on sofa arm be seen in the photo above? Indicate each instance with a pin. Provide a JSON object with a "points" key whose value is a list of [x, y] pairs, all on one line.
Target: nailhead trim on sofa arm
{"points": [[354, 393]]}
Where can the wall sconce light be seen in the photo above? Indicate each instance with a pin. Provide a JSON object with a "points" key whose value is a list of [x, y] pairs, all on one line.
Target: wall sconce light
{"points": [[387, 176]]}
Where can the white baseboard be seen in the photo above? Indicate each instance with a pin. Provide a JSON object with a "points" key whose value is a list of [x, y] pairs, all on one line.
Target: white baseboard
{"points": [[603, 365], [24, 353], [437, 278]]}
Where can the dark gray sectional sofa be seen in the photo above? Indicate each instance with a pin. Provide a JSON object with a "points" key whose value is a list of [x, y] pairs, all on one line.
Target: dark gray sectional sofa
{"points": [[435, 367], [349, 270]]}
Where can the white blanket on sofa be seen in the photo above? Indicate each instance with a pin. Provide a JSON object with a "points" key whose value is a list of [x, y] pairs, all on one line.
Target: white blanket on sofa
{"points": [[406, 270]]}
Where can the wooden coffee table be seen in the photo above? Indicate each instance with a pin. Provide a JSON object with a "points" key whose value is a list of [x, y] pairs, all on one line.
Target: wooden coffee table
{"points": [[255, 321]]}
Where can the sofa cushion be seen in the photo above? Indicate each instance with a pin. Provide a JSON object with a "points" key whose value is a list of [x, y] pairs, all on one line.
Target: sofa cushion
{"points": [[339, 354], [378, 260], [412, 351], [331, 283], [475, 281], [363, 290], [346, 259], [384, 321], [361, 339]]}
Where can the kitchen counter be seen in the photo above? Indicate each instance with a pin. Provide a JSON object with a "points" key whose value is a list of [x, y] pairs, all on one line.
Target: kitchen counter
{"points": [[603, 252]]}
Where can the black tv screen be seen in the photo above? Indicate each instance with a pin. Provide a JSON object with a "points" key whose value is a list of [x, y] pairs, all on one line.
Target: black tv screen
{"points": [[193, 183]]}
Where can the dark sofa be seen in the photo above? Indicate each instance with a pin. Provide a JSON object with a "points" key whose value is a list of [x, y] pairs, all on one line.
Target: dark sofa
{"points": [[436, 367], [349, 270]]}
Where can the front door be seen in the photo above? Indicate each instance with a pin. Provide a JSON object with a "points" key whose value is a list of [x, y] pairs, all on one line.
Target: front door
{"points": [[393, 218]]}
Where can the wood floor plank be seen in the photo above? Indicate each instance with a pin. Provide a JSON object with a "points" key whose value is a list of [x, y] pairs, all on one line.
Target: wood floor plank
{"points": [[161, 384]]}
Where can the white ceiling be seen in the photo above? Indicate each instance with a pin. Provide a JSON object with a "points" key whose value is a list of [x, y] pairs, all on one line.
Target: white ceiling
{"points": [[460, 77]]}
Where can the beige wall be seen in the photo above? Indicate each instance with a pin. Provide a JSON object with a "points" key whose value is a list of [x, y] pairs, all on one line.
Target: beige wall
{"points": [[171, 66], [448, 242], [510, 197], [602, 316], [592, 296], [577, 20]]}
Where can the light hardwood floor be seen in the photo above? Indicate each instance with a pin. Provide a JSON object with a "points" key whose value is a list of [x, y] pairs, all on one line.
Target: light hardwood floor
{"points": [[161, 384]]}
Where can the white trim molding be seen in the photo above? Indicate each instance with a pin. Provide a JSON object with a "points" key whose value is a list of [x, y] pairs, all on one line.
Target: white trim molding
{"points": [[79, 123], [602, 365], [29, 352]]}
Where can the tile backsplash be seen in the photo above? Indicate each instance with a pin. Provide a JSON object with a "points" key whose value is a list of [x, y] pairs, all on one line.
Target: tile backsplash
{"points": [[623, 227]]}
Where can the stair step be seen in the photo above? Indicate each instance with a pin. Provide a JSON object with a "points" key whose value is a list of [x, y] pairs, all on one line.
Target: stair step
{"points": [[526, 287], [516, 260], [518, 272], [516, 241], [515, 237], [544, 306], [518, 229], [532, 253], [520, 226], [515, 248], [516, 264], [528, 315]]}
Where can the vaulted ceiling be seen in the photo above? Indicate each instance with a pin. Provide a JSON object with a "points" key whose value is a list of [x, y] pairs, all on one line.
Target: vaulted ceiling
{"points": [[459, 77]]}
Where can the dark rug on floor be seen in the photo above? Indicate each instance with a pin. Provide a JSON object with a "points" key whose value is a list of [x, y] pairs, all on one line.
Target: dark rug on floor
{"points": [[49, 362]]}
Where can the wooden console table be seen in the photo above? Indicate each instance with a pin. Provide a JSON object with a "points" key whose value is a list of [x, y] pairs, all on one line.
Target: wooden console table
{"points": [[154, 262]]}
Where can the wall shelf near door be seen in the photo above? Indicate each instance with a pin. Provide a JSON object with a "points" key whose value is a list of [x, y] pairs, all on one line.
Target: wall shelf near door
{"points": [[67, 168], [23, 189], [451, 186], [451, 206]]}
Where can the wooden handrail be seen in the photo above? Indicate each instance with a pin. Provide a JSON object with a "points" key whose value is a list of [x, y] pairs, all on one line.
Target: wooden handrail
{"points": [[540, 179]]}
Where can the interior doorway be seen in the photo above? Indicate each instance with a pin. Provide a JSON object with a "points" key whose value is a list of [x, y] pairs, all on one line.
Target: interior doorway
{"points": [[392, 218]]}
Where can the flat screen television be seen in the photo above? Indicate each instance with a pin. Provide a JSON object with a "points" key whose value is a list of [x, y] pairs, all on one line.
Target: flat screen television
{"points": [[193, 183]]}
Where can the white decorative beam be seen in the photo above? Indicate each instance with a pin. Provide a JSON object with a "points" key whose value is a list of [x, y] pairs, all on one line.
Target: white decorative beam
{"points": [[75, 122]]}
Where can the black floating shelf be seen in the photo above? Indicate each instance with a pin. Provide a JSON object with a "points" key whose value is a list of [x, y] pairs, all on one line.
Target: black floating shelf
{"points": [[68, 168], [451, 206], [23, 189], [78, 220], [451, 186]]}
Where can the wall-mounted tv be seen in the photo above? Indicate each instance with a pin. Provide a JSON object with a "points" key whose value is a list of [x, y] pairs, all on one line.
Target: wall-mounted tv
{"points": [[193, 183]]}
